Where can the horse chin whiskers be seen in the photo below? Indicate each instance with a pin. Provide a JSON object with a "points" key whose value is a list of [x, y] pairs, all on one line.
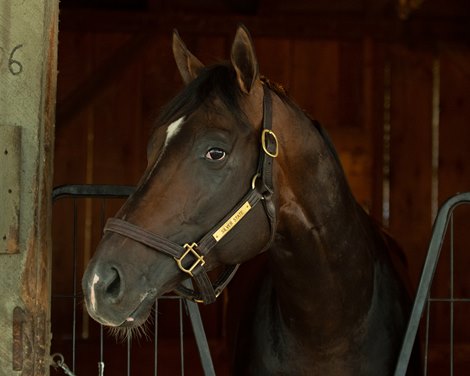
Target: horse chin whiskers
{"points": [[123, 333], [143, 330]]}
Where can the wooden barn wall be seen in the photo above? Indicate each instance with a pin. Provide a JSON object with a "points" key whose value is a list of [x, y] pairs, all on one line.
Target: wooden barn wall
{"points": [[397, 113]]}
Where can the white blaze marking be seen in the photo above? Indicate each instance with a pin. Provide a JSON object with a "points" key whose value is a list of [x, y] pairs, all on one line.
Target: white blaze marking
{"points": [[96, 278], [173, 129], [171, 132]]}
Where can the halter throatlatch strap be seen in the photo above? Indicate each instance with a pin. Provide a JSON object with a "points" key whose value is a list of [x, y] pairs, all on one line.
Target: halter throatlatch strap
{"points": [[190, 258]]}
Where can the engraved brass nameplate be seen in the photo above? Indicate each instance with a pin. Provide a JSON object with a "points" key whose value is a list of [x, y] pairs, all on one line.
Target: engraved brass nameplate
{"points": [[232, 221]]}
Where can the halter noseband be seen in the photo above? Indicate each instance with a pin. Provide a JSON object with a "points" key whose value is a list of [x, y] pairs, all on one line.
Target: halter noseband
{"points": [[190, 256]]}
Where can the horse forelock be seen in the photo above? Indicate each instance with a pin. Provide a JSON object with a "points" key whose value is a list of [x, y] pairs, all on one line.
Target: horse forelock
{"points": [[214, 82]]}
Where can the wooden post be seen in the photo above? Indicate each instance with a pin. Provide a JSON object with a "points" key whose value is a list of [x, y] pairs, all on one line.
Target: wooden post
{"points": [[28, 70]]}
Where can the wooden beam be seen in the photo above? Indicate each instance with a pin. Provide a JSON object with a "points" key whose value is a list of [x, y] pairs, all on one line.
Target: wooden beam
{"points": [[28, 71], [100, 79], [317, 25], [407, 7]]}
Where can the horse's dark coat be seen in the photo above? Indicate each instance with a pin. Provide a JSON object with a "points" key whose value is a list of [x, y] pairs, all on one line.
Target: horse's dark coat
{"points": [[332, 303]]}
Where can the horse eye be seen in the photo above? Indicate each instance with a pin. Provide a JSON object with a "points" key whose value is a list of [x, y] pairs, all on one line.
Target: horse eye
{"points": [[215, 154]]}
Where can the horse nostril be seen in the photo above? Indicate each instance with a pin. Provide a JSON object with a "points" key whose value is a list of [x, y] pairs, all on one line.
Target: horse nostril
{"points": [[113, 289]]}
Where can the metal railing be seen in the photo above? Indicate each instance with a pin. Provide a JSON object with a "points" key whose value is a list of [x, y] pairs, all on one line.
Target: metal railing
{"points": [[107, 192], [423, 298]]}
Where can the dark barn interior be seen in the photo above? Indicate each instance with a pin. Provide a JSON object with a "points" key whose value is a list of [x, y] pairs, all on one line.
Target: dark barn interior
{"points": [[389, 80]]}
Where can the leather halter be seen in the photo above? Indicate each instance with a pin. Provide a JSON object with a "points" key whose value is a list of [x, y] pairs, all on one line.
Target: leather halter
{"points": [[190, 256]]}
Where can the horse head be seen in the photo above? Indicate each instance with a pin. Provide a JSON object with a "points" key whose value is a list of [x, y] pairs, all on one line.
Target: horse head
{"points": [[205, 199]]}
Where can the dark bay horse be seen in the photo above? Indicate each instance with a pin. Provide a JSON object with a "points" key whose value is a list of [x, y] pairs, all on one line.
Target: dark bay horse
{"points": [[235, 169]]}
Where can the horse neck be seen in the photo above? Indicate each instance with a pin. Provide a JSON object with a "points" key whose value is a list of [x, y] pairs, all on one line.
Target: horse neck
{"points": [[322, 259]]}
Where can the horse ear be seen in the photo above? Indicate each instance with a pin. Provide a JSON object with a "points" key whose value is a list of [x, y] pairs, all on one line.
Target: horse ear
{"points": [[243, 59], [188, 64]]}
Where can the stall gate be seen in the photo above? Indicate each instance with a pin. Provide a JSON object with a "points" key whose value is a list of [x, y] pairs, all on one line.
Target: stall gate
{"points": [[442, 236], [72, 350], [443, 230]]}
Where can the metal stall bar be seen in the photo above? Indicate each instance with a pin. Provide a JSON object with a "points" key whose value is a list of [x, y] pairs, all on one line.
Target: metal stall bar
{"points": [[92, 191], [430, 264], [116, 191], [201, 340]]}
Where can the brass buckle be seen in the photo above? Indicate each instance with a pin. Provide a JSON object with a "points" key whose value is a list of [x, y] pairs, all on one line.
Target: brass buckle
{"points": [[217, 294], [263, 143], [199, 259], [254, 179]]}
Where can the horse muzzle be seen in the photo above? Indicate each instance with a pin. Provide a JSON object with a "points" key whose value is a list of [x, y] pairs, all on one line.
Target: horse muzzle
{"points": [[117, 294]]}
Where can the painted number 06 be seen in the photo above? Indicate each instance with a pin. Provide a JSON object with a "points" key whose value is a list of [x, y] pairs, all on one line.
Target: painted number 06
{"points": [[14, 66]]}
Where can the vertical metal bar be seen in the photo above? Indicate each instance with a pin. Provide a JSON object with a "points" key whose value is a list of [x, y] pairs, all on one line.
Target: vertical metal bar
{"points": [[201, 340], [129, 356], [451, 357], [155, 346], [101, 362], [426, 340], [74, 277], [101, 342], [181, 336], [199, 334]]}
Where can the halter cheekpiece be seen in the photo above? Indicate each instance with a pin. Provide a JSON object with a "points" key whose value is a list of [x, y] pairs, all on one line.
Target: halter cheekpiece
{"points": [[190, 256]]}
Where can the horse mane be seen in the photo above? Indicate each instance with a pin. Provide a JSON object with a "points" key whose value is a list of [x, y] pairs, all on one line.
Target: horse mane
{"points": [[282, 93]]}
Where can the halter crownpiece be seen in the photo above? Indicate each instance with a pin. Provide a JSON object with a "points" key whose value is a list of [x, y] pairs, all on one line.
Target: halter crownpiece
{"points": [[190, 257]]}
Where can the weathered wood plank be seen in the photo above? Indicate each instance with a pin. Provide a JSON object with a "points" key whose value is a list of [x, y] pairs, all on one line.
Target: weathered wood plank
{"points": [[454, 177], [101, 77], [76, 64], [374, 103], [118, 152], [454, 128], [314, 79], [28, 56], [298, 25], [410, 152], [274, 59]]}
